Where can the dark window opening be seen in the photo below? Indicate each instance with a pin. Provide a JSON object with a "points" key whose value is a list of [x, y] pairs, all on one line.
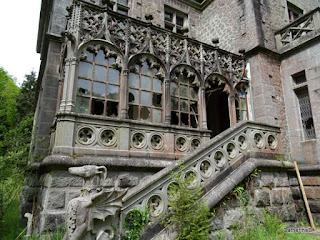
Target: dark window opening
{"points": [[174, 118], [294, 12], [97, 107], [299, 78], [184, 120], [112, 109], [133, 112], [175, 21]]}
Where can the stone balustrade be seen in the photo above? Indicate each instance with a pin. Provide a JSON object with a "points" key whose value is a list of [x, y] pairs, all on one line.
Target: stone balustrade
{"points": [[304, 27], [203, 164]]}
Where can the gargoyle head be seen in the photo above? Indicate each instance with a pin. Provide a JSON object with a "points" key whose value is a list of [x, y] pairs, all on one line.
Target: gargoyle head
{"points": [[89, 171]]}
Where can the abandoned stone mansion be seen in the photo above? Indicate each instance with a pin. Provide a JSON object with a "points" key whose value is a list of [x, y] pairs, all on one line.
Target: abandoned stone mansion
{"points": [[132, 86]]}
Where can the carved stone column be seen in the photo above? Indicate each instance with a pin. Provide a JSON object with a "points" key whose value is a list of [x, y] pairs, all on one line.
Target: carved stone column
{"points": [[203, 108], [124, 94], [68, 95], [232, 110], [167, 99]]}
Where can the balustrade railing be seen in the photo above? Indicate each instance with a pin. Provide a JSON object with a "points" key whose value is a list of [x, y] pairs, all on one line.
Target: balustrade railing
{"points": [[299, 28], [203, 164]]}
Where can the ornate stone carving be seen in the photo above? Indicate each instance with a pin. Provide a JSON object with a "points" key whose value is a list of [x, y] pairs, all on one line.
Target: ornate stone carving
{"points": [[93, 205], [138, 140], [92, 24], [85, 135], [118, 29]]}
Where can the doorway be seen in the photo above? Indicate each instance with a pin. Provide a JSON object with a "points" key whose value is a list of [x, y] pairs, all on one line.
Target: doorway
{"points": [[217, 109]]}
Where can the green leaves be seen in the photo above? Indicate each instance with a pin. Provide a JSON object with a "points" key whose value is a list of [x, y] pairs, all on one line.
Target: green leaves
{"points": [[188, 213], [134, 223]]}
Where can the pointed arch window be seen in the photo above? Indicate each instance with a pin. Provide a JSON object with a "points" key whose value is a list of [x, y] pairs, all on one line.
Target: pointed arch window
{"points": [[98, 85], [146, 93], [184, 100]]}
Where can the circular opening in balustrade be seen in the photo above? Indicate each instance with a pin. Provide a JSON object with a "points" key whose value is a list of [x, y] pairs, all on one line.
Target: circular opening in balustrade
{"points": [[172, 189], [219, 158], [156, 141], [243, 143], [156, 205], [191, 179], [85, 135], [231, 150], [195, 143], [206, 169], [181, 144], [108, 137], [258, 140], [272, 142], [138, 140]]}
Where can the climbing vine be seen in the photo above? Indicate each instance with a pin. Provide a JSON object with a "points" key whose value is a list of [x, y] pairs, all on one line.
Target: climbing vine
{"points": [[135, 221]]}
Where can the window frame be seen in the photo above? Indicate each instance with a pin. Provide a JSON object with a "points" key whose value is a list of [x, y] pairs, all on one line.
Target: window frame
{"points": [[92, 80], [293, 10], [125, 8], [151, 91], [173, 24], [189, 99]]}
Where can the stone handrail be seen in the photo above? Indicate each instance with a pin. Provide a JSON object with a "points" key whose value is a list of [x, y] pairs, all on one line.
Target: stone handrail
{"points": [[298, 28], [203, 164]]}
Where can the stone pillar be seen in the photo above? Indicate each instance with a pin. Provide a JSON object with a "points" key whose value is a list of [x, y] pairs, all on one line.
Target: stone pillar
{"points": [[232, 110], [68, 95], [203, 108], [167, 99], [124, 94]]}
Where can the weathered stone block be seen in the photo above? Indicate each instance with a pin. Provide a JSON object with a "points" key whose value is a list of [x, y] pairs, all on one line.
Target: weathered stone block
{"points": [[281, 179], [127, 180], [29, 193], [72, 195], [52, 221], [56, 200], [314, 206], [276, 197], [267, 179], [63, 179], [233, 217], [261, 197]]}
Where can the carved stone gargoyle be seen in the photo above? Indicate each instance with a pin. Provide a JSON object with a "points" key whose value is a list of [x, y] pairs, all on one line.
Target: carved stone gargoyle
{"points": [[90, 215]]}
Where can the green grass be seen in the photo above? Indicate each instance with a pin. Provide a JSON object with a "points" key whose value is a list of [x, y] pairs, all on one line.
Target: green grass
{"points": [[10, 226], [270, 229]]}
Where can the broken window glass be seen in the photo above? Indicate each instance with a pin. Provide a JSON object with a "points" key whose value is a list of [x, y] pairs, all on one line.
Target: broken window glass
{"points": [[193, 107], [194, 121], [84, 87], [133, 96], [184, 105], [97, 106], [175, 103], [174, 89], [185, 119], [145, 113], [174, 118], [112, 109], [157, 100]]}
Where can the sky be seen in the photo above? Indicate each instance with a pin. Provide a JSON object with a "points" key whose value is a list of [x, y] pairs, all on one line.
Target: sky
{"points": [[19, 22]]}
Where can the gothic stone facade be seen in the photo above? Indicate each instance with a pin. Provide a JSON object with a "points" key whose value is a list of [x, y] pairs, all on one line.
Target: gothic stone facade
{"points": [[136, 84]]}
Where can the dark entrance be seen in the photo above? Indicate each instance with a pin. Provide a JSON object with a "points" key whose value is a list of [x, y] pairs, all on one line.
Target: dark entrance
{"points": [[217, 109]]}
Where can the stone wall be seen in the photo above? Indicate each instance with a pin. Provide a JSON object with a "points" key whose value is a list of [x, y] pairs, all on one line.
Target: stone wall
{"points": [[267, 93], [278, 193], [307, 60]]}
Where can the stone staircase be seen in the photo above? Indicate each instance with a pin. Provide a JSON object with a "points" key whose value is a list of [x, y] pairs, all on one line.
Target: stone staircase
{"points": [[218, 166]]}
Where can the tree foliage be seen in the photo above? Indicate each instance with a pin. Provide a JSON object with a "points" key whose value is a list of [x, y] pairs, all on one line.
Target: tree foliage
{"points": [[189, 214], [16, 118]]}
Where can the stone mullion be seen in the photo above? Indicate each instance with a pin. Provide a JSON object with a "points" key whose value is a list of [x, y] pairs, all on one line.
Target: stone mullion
{"points": [[232, 110], [203, 109], [167, 101], [124, 94]]}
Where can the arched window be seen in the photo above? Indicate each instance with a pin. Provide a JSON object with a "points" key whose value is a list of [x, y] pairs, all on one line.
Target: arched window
{"points": [[98, 85], [145, 93], [184, 100]]}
